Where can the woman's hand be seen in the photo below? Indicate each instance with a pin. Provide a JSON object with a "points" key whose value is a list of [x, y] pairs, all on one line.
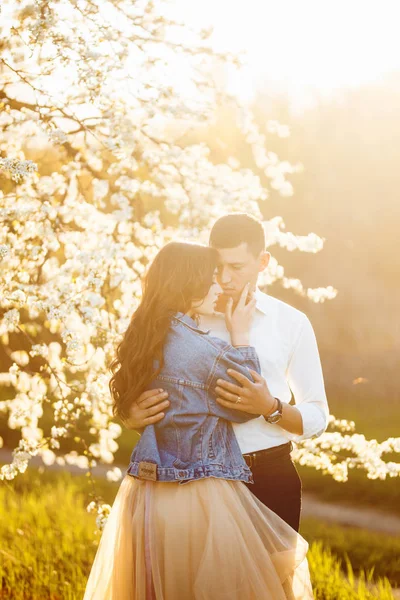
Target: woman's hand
{"points": [[147, 409], [239, 320]]}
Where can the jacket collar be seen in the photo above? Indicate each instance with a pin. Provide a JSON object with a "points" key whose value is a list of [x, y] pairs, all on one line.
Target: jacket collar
{"points": [[189, 322]]}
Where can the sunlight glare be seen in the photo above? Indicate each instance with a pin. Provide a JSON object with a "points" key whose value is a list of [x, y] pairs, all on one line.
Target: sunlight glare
{"points": [[320, 44]]}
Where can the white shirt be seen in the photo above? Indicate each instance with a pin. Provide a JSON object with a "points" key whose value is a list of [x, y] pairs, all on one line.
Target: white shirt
{"points": [[286, 346]]}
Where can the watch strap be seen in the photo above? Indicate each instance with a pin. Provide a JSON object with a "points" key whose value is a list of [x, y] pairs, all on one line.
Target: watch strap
{"points": [[276, 415]]}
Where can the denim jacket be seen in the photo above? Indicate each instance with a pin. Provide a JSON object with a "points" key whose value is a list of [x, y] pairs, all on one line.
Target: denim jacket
{"points": [[195, 439]]}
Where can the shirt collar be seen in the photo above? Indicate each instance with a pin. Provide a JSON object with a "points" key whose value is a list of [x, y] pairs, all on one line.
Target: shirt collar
{"points": [[261, 301]]}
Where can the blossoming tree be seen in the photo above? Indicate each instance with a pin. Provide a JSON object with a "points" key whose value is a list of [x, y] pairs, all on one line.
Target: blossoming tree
{"points": [[110, 93]]}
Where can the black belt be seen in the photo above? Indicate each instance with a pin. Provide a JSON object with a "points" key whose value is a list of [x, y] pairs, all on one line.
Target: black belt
{"points": [[272, 454]]}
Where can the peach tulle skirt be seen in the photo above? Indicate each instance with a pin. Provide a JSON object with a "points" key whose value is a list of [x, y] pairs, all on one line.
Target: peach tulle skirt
{"points": [[210, 539]]}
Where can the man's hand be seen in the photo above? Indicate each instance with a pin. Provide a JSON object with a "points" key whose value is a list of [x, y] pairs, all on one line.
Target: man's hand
{"points": [[147, 409], [255, 398]]}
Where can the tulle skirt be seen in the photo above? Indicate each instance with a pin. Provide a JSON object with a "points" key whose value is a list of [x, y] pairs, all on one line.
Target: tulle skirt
{"points": [[210, 539]]}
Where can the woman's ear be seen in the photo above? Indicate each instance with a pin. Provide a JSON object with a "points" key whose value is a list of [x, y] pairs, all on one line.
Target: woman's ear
{"points": [[264, 261]]}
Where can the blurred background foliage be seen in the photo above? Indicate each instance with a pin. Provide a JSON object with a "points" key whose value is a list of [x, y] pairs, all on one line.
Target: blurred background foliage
{"points": [[348, 193]]}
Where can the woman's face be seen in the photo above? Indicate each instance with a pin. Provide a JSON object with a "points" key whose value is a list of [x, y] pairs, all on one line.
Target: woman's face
{"points": [[207, 306]]}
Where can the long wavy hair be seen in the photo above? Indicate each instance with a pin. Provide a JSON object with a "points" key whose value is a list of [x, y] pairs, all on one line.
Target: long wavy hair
{"points": [[180, 275]]}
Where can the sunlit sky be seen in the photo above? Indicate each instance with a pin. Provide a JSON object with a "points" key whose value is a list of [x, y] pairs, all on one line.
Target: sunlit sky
{"points": [[303, 48], [302, 45]]}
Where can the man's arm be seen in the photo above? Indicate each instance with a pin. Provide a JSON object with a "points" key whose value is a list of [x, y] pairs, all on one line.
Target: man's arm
{"points": [[257, 399], [309, 418], [305, 378], [147, 409]]}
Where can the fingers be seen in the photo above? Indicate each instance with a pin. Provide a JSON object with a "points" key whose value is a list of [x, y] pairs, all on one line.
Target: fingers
{"points": [[242, 379], [155, 419], [228, 312], [153, 400], [231, 387], [256, 376], [154, 410], [252, 304], [221, 393], [145, 395], [238, 406], [243, 296]]}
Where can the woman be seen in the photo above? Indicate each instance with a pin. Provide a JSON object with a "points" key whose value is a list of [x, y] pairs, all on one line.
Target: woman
{"points": [[183, 524]]}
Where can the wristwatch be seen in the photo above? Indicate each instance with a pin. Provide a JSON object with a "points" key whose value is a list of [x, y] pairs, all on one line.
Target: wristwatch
{"points": [[275, 416]]}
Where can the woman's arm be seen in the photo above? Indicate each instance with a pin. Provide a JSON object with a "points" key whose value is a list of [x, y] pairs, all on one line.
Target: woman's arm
{"points": [[241, 359], [240, 356]]}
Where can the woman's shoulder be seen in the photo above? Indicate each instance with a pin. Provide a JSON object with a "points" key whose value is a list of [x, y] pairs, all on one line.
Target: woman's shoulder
{"points": [[189, 329], [189, 352]]}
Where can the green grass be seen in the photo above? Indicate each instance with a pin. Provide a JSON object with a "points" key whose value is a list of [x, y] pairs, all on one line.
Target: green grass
{"points": [[46, 540], [366, 550], [330, 583], [47, 543]]}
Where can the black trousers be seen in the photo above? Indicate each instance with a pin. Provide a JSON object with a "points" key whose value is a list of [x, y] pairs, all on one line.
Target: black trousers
{"points": [[276, 482]]}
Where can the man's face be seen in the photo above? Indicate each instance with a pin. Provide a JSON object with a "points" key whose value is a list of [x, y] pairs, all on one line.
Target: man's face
{"points": [[238, 266]]}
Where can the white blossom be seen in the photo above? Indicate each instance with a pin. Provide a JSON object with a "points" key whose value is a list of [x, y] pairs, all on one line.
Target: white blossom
{"points": [[10, 320], [112, 102], [281, 131], [39, 350], [4, 251], [114, 474], [18, 169], [57, 136]]}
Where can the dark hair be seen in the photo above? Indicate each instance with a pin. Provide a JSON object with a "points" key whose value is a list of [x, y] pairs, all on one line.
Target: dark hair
{"points": [[180, 274], [232, 230]]}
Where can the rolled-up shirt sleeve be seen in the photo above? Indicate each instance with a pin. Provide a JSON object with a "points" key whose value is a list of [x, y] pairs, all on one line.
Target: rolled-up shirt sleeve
{"points": [[306, 381]]}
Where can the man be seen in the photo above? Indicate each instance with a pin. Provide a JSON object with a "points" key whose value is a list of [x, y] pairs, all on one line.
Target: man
{"points": [[290, 363]]}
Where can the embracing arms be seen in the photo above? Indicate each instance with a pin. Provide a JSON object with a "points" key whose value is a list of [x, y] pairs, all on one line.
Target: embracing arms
{"points": [[309, 417], [150, 406]]}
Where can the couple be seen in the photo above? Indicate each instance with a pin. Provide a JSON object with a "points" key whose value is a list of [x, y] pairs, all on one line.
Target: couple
{"points": [[209, 506]]}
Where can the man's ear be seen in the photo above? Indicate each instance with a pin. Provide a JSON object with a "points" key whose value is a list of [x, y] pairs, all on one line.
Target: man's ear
{"points": [[264, 261]]}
